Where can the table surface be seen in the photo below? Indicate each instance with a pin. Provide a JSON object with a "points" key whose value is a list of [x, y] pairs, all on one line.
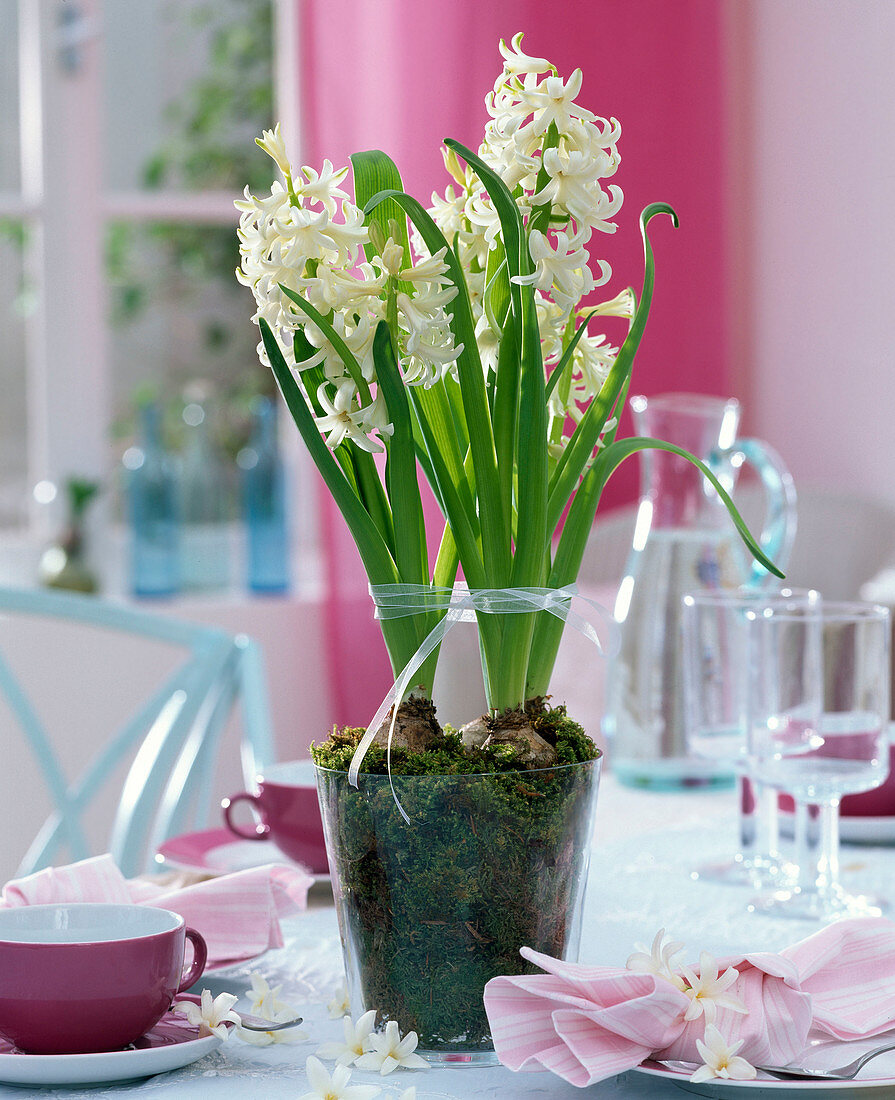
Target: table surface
{"points": [[645, 846]]}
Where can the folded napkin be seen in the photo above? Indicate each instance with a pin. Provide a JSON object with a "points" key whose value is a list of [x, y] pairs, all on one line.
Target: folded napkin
{"points": [[587, 1023], [238, 915]]}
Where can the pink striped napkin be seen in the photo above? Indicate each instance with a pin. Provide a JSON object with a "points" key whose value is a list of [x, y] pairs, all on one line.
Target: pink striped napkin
{"points": [[238, 914], [587, 1023]]}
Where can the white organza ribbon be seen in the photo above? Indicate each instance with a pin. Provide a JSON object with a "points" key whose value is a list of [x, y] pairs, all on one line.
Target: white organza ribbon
{"points": [[462, 604]]}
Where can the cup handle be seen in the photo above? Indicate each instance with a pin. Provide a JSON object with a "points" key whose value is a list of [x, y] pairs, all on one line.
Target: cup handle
{"points": [[200, 957], [227, 804]]}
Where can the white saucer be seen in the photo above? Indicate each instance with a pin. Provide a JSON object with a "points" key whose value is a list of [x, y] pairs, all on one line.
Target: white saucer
{"points": [[867, 830], [169, 1045], [853, 829]]}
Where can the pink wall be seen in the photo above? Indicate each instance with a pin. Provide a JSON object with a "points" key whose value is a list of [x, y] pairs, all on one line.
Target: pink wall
{"points": [[814, 150], [400, 75]]}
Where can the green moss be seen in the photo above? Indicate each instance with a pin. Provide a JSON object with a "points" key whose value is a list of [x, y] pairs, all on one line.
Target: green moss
{"points": [[449, 757], [430, 911]]}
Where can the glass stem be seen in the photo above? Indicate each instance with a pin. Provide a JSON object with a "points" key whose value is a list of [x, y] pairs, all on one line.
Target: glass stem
{"points": [[828, 862], [747, 822], [767, 823], [808, 848]]}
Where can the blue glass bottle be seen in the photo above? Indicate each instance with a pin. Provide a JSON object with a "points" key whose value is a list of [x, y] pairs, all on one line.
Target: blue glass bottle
{"points": [[151, 490], [205, 504], [264, 504]]}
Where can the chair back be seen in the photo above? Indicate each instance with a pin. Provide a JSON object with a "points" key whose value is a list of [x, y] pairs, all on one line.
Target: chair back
{"points": [[167, 746]]}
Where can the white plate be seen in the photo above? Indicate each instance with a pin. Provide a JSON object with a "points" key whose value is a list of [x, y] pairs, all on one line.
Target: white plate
{"points": [[867, 830], [174, 1046], [853, 830], [869, 1088]]}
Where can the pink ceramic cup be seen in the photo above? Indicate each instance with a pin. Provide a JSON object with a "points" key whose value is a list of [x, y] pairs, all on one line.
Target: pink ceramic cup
{"points": [[286, 801], [90, 977]]}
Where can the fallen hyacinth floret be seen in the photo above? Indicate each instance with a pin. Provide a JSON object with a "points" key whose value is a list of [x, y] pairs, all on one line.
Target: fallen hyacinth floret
{"points": [[212, 1016], [657, 959], [354, 1046], [265, 1001], [387, 1051], [340, 1005], [334, 1086], [707, 990], [721, 1060]]}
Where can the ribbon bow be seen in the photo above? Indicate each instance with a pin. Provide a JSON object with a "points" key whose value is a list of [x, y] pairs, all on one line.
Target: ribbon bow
{"points": [[462, 604]]}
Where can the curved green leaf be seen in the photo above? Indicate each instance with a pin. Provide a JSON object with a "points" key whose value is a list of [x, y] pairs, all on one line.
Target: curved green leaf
{"points": [[584, 439], [403, 487], [378, 562], [345, 353], [375, 171], [494, 528], [612, 456]]}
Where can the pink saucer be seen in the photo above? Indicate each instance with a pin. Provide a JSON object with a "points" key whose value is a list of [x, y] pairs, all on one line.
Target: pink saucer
{"points": [[219, 852]]}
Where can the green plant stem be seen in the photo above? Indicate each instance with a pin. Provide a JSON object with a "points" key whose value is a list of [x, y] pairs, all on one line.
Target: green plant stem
{"points": [[529, 559]]}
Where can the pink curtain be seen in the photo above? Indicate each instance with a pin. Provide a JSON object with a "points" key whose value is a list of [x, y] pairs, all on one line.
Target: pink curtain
{"points": [[400, 75]]}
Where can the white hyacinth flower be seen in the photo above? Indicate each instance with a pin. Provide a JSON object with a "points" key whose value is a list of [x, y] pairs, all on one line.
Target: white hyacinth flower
{"points": [[307, 235], [561, 270], [553, 100], [271, 141], [657, 959], [721, 1060], [516, 62], [708, 990], [342, 418], [387, 1051], [264, 1000], [340, 1005], [322, 186], [353, 1047], [212, 1016], [335, 1086]]}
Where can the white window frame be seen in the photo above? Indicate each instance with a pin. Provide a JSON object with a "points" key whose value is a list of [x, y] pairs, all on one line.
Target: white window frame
{"points": [[63, 196]]}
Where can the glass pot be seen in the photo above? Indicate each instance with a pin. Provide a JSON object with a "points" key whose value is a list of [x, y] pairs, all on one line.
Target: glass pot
{"points": [[431, 910]]}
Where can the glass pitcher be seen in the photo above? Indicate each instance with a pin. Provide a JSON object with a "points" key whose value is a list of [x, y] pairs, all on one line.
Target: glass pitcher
{"points": [[684, 539]]}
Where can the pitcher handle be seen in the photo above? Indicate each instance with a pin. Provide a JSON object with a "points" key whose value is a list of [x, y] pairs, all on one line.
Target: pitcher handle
{"points": [[779, 530]]}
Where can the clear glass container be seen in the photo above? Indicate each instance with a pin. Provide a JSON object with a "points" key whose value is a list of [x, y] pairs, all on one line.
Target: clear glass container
{"points": [[431, 910], [684, 539]]}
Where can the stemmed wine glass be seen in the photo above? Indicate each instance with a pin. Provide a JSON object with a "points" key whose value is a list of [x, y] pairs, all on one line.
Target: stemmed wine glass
{"points": [[719, 714], [819, 681]]}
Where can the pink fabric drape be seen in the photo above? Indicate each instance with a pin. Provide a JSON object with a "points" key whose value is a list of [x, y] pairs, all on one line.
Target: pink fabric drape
{"points": [[400, 75]]}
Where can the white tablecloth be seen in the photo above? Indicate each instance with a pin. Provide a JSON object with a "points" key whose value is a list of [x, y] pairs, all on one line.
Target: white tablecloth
{"points": [[644, 847]]}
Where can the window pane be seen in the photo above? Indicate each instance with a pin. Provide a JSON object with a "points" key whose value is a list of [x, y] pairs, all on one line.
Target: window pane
{"points": [[188, 87], [13, 431], [9, 96], [179, 317]]}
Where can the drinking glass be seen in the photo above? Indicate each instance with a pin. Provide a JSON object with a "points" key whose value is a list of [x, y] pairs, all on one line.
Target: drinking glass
{"points": [[719, 714], [819, 680]]}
